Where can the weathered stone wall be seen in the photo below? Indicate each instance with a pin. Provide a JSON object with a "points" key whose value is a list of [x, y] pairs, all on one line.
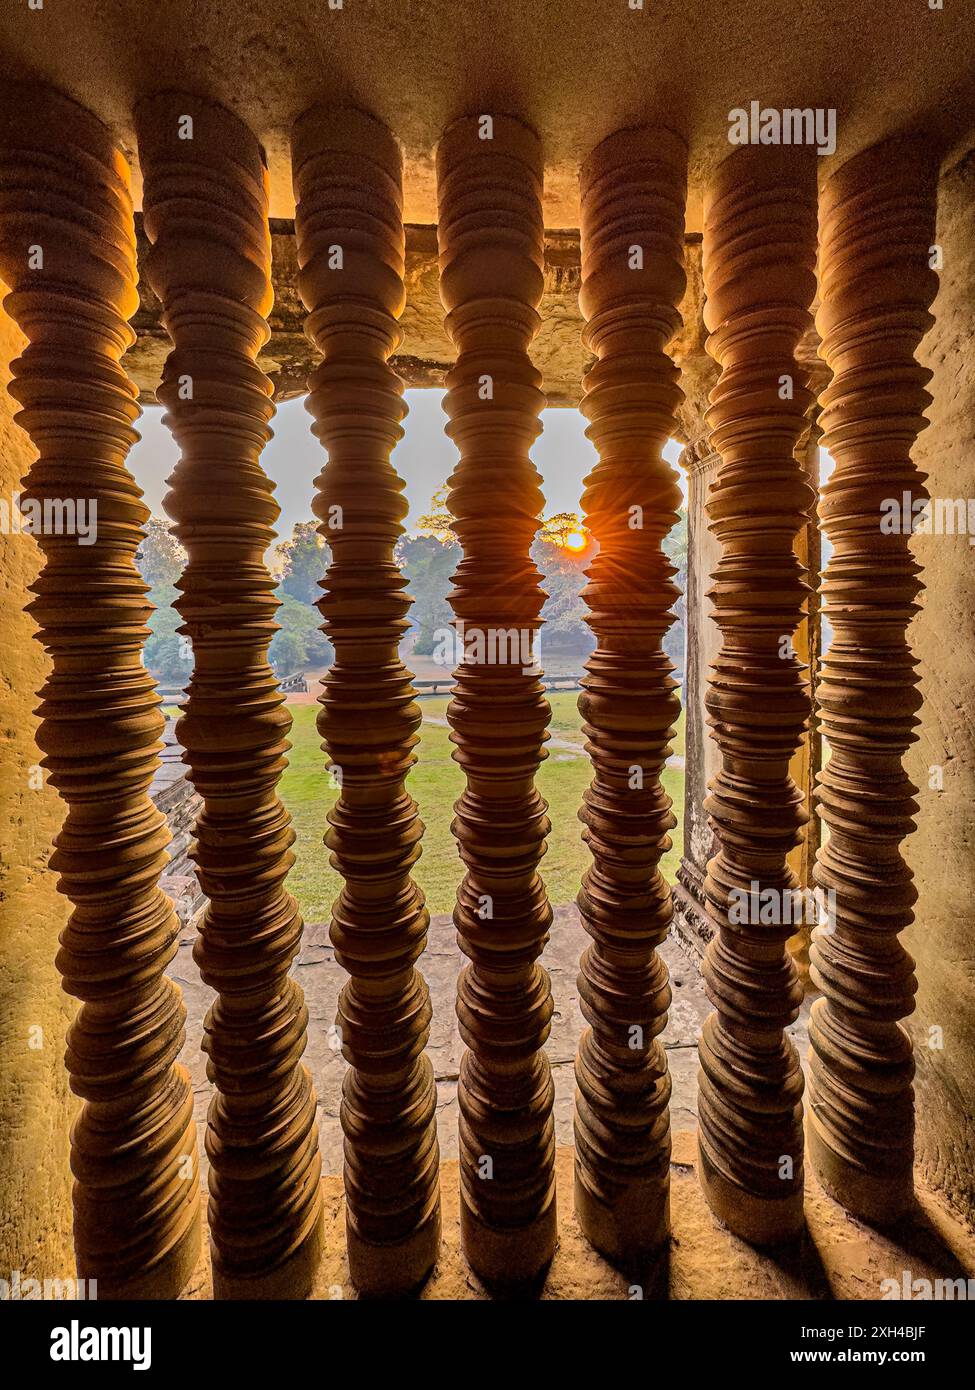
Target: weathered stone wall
{"points": [[35, 1103], [426, 352], [942, 852]]}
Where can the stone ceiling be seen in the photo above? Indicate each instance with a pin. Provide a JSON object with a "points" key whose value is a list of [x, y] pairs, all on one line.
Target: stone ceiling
{"points": [[576, 69]]}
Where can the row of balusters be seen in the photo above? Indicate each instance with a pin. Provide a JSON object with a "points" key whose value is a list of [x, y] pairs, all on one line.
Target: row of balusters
{"points": [[67, 252]]}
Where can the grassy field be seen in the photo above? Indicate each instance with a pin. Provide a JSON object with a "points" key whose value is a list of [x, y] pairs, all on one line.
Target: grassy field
{"points": [[436, 783]]}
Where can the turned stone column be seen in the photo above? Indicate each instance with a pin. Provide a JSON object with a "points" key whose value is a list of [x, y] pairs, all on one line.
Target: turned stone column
{"points": [[491, 282], [633, 191], [67, 250], [347, 174], [878, 224], [205, 211], [759, 255]]}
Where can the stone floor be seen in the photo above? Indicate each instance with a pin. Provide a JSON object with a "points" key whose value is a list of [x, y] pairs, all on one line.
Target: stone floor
{"points": [[837, 1257], [322, 979]]}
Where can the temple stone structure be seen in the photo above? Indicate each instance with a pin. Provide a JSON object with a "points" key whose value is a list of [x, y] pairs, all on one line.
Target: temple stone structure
{"points": [[693, 923], [942, 762], [210, 222], [37, 1107]]}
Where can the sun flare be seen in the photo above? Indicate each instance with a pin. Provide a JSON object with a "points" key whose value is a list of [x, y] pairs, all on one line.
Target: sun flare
{"points": [[575, 540]]}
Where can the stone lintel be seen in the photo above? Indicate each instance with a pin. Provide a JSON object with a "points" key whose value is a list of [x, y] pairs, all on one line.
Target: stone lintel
{"points": [[426, 353]]}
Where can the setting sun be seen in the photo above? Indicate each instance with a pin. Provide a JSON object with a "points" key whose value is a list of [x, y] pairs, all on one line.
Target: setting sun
{"points": [[575, 540]]}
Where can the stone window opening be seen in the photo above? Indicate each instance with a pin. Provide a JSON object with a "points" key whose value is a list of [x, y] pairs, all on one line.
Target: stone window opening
{"points": [[693, 342]]}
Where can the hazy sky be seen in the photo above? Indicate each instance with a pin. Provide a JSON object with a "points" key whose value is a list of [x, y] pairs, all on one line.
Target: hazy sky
{"points": [[423, 458]]}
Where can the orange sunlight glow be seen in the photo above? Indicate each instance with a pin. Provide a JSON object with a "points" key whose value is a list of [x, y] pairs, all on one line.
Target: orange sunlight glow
{"points": [[575, 540]]}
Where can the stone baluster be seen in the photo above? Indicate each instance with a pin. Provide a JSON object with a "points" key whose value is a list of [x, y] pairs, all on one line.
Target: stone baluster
{"points": [[877, 228], [759, 257], [67, 251], [633, 191], [205, 208], [491, 259], [347, 173]]}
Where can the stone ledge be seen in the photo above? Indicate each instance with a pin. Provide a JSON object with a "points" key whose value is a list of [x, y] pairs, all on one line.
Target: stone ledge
{"points": [[426, 353], [839, 1258]]}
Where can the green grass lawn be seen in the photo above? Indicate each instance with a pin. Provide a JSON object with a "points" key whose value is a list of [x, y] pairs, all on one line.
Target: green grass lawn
{"points": [[436, 782]]}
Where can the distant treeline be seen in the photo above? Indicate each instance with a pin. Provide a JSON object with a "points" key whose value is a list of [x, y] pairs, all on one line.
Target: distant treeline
{"points": [[561, 551]]}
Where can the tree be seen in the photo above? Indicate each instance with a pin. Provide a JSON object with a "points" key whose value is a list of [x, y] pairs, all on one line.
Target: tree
{"points": [[438, 522], [160, 557], [167, 657], [564, 613], [318, 649], [675, 548], [428, 562], [299, 643], [559, 527], [287, 653], [302, 560]]}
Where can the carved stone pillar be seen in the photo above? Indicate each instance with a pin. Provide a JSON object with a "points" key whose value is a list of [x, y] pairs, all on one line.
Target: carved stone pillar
{"points": [[759, 255], [347, 173], [490, 183], [67, 250], [633, 191], [878, 224], [205, 208]]}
